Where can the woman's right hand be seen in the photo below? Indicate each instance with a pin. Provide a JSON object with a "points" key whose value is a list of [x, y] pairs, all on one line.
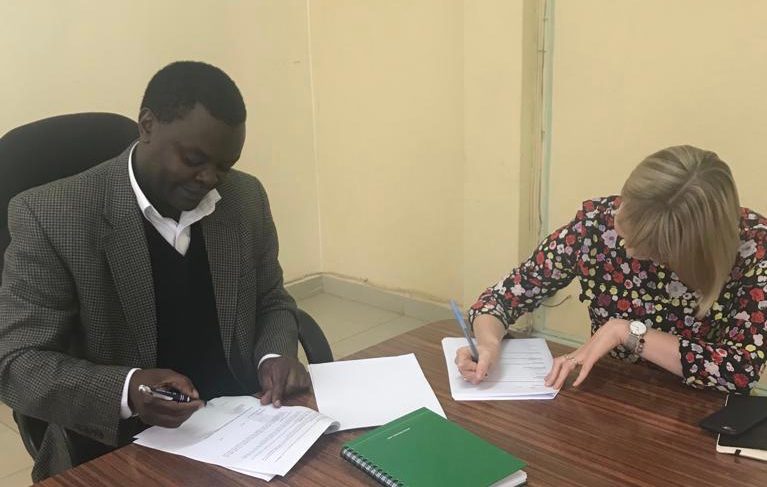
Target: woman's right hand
{"points": [[475, 372]]}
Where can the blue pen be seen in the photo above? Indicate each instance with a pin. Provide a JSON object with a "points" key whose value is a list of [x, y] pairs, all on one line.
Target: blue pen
{"points": [[459, 318]]}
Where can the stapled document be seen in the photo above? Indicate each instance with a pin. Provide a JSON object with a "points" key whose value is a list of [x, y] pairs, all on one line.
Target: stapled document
{"points": [[241, 434], [523, 365]]}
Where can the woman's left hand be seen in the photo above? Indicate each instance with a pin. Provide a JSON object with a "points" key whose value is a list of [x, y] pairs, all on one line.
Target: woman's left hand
{"points": [[607, 337]]}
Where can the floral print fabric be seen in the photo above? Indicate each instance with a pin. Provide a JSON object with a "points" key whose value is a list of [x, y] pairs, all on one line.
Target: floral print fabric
{"points": [[724, 350]]}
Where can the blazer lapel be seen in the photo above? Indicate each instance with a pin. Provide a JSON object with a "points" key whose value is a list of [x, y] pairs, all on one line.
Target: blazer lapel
{"points": [[223, 247], [127, 253]]}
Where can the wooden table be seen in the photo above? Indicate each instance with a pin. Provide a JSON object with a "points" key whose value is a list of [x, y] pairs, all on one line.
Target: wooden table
{"points": [[626, 425]]}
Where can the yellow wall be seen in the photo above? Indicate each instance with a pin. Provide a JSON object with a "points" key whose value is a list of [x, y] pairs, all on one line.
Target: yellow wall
{"points": [[388, 80], [493, 142], [381, 125], [630, 78], [389, 132], [418, 127], [80, 55]]}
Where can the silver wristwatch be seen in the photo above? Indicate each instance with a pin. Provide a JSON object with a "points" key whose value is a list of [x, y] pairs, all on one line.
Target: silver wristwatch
{"points": [[635, 340]]}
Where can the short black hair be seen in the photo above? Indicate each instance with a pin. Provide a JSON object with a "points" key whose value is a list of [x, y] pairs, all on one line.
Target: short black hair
{"points": [[179, 86]]}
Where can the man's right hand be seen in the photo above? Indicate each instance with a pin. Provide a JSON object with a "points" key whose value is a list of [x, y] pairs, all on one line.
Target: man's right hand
{"points": [[160, 412]]}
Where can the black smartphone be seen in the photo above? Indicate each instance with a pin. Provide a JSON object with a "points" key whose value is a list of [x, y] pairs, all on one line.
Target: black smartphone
{"points": [[739, 414]]}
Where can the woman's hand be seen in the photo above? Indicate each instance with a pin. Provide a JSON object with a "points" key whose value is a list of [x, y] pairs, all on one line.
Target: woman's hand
{"points": [[475, 372], [609, 336], [489, 332]]}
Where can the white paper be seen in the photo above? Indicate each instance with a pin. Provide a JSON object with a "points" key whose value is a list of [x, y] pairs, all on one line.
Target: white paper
{"points": [[371, 392], [250, 473], [519, 373], [241, 434]]}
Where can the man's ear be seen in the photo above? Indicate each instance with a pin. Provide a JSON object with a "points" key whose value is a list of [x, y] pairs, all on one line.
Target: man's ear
{"points": [[147, 122]]}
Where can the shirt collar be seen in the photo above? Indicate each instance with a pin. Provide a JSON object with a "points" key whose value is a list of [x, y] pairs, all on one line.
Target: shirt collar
{"points": [[205, 207]]}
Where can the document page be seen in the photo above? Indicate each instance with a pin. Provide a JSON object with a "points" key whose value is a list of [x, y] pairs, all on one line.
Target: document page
{"points": [[241, 434], [371, 392], [519, 374]]}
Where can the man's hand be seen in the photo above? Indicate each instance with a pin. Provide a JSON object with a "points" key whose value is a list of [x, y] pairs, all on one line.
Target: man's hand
{"points": [[280, 377], [160, 412], [609, 336]]}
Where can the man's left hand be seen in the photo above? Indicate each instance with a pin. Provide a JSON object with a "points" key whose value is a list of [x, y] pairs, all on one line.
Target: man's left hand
{"points": [[609, 336], [280, 377]]}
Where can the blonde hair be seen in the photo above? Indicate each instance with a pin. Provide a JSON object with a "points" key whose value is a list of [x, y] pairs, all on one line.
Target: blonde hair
{"points": [[680, 206]]}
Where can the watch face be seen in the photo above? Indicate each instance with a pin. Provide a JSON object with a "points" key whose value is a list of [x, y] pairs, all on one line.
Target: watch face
{"points": [[638, 328]]}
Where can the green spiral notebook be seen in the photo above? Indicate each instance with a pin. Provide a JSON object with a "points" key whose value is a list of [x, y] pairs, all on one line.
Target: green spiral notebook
{"points": [[424, 449]]}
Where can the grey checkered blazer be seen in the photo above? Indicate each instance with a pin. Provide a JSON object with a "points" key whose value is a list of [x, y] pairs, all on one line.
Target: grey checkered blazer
{"points": [[77, 307]]}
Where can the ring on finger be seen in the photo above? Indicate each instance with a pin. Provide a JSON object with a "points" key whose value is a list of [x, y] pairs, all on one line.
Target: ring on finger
{"points": [[572, 359]]}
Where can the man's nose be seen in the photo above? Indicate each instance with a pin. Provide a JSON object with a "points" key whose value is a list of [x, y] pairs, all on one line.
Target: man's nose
{"points": [[208, 177]]}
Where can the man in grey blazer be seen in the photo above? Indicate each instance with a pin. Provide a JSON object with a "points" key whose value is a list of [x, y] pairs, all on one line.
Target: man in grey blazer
{"points": [[158, 268]]}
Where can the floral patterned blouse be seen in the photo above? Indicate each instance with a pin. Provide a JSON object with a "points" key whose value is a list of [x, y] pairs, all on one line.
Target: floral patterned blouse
{"points": [[724, 350]]}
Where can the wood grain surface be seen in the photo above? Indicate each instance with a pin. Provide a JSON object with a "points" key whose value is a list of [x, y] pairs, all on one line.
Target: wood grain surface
{"points": [[626, 425]]}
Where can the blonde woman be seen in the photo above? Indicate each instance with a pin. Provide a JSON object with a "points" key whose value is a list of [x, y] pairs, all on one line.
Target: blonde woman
{"points": [[673, 270]]}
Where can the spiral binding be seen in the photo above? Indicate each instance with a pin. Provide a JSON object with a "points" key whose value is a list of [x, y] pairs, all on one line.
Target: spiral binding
{"points": [[369, 468]]}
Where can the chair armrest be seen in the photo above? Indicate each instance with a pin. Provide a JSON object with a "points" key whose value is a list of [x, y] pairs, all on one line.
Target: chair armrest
{"points": [[313, 339]]}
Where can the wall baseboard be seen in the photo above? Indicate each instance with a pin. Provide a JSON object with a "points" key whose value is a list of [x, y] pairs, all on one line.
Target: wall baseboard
{"points": [[352, 290], [561, 339], [305, 287]]}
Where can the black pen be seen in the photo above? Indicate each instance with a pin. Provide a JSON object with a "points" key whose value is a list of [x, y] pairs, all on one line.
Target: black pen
{"points": [[166, 394]]}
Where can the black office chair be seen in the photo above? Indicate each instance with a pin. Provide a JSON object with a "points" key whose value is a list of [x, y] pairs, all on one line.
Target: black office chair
{"points": [[57, 147]]}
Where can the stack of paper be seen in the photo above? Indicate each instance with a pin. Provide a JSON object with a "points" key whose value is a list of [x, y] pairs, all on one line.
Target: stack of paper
{"points": [[242, 435], [523, 365], [371, 392]]}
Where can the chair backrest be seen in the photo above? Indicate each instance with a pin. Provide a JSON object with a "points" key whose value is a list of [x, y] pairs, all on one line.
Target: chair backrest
{"points": [[44, 151], [54, 148]]}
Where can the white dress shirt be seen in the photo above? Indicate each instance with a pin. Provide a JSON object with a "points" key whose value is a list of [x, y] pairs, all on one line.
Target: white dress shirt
{"points": [[176, 233]]}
